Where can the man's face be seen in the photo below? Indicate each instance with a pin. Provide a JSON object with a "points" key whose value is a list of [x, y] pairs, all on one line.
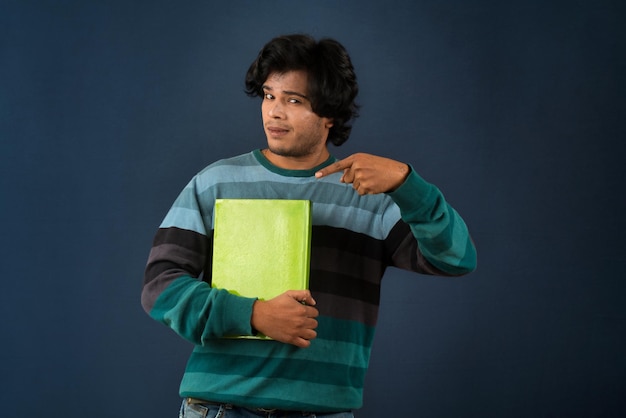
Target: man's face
{"points": [[293, 130]]}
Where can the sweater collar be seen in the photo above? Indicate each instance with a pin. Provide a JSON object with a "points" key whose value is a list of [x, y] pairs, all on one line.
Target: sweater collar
{"points": [[290, 173]]}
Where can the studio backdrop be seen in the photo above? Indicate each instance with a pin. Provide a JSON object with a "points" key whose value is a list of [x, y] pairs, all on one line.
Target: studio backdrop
{"points": [[513, 109]]}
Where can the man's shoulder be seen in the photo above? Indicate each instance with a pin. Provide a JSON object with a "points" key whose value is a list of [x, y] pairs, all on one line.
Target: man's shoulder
{"points": [[238, 161]]}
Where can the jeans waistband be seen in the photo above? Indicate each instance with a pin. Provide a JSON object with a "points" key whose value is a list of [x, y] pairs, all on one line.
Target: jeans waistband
{"points": [[259, 411]]}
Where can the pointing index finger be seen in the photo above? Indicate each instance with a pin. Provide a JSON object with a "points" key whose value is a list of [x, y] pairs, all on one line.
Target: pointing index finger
{"points": [[334, 167]]}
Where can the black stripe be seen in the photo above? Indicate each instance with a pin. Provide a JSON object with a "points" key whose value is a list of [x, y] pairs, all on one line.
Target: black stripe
{"points": [[343, 285], [347, 241], [182, 247], [181, 237], [347, 309], [405, 252], [398, 234]]}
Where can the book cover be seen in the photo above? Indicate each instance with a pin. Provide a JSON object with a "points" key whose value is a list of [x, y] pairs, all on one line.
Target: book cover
{"points": [[261, 247]]}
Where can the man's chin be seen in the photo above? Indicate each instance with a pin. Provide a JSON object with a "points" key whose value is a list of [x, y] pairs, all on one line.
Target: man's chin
{"points": [[286, 152]]}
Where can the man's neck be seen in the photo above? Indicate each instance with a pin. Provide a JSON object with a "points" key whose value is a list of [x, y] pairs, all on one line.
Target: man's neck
{"points": [[296, 163]]}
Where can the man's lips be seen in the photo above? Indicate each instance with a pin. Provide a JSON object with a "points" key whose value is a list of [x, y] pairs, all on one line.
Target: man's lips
{"points": [[276, 130]]}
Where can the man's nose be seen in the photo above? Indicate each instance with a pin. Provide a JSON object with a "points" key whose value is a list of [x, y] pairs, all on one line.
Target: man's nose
{"points": [[276, 110]]}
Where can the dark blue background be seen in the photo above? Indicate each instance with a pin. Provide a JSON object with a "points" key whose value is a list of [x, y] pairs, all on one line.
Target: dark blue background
{"points": [[514, 109]]}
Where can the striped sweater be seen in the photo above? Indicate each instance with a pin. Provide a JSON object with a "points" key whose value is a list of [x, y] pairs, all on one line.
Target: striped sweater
{"points": [[355, 238]]}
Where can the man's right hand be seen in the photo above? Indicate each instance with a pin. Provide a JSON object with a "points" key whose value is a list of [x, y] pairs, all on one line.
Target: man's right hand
{"points": [[288, 318]]}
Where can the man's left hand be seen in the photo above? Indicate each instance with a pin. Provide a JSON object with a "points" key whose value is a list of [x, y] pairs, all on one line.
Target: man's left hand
{"points": [[369, 174]]}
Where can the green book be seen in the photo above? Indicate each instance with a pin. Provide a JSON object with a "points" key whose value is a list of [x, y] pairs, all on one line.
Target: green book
{"points": [[261, 247]]}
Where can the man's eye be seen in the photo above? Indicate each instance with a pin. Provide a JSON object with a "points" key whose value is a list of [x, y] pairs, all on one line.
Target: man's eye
{"points": [[268, 96], [295, 101]]}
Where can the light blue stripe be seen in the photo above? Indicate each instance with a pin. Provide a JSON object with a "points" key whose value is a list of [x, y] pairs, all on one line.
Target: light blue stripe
{"points": [[364, 222], [217, 174], [336, 204], [333, 204], [184, 218]]}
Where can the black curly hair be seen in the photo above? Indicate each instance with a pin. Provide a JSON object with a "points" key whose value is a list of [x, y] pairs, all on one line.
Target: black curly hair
{"points": [[332, 82]]}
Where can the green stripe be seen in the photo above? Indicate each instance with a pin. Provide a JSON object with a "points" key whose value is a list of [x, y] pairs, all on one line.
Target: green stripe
{"points": [[290, 369], [274, 393], [184, 303], [345, 330], [463, 265], [342, 352]]}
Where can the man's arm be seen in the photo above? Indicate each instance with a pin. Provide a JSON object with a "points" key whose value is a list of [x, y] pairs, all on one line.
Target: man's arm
{"points": [[174, 295], [442, 236]]}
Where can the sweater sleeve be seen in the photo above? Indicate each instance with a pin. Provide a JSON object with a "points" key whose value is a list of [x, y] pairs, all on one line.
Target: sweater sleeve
{"points": [[442, 236], [173, 292]]}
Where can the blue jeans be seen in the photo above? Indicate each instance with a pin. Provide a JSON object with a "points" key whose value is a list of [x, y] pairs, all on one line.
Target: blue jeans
{"points": [[230, 411]]}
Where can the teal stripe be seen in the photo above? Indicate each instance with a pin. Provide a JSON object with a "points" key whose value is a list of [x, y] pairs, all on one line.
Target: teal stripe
{"points": [[454, 264], [275, 393], [451, 247], [345, 331], [439, 235], [187, 300], [290, 388], [343, 352], [269, 367], [258, 155]]}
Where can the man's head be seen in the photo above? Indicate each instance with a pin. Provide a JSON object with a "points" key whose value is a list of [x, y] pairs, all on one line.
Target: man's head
{"points": [[331, 81]]}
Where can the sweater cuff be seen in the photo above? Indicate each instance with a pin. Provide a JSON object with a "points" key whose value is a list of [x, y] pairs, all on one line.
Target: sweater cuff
{"points": [[238, 313]]}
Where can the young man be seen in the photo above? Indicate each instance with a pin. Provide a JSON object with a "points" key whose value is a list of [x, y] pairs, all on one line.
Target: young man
{"points": [[369, 213]]}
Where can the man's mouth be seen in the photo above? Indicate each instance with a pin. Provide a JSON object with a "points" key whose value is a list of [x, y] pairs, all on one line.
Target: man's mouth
{"points": [[276, 131]]}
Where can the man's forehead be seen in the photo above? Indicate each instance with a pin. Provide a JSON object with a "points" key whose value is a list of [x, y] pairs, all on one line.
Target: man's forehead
{"points": [[293, 79]]}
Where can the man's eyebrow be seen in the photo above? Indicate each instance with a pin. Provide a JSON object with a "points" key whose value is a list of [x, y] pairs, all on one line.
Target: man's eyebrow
{"points": [[287, 92]]}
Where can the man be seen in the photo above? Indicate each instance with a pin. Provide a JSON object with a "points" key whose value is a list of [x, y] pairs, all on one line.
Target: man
{"points": [[369, 213]]}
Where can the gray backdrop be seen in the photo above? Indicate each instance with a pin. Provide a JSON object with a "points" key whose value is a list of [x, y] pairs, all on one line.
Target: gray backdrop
{"points": [[514, 109]]}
